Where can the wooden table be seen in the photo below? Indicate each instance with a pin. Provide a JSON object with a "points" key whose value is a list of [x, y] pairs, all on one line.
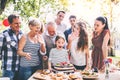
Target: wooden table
{"points": [[112, 76]]}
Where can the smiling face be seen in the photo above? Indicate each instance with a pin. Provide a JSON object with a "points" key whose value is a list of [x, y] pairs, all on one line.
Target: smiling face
{"points": [[60, 43], [60, 16], [98, 26], [35, 26], [72, 21], [15, 25], [35, 29], [51, 30], [76, 30]]}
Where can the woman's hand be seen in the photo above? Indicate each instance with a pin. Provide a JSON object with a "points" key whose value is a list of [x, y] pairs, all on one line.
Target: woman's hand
{"points": [[28, 56], [72, 36], [40, 39]]}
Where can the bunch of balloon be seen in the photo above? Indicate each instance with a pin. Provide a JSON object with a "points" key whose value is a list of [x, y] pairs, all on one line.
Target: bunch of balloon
{"points": [[5, 22]]}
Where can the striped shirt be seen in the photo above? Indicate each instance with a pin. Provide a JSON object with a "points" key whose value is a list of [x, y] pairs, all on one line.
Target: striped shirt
{"points": [[8, 49], [57, 56], [33, 49]]}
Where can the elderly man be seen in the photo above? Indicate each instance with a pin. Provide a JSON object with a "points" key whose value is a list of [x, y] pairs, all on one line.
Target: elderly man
{"points": [[50, 36], [61, 27], [8, 48]]}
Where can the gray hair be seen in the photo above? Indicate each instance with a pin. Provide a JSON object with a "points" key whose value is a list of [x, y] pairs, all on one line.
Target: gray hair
{"points": [[34, 22], [52, 24]]}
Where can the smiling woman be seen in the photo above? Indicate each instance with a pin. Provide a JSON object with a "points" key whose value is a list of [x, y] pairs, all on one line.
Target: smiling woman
{"points": [[30, 45]]}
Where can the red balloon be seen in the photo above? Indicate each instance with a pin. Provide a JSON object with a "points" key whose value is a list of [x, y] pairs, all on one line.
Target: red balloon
{"points": [[110, 60], [5, 22]]}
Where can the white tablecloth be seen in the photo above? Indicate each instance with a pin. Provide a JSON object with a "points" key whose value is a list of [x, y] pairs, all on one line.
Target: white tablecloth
{"points": [[112, 76]]}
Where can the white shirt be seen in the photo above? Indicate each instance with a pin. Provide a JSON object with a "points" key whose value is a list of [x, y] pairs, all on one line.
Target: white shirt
{"points": [[61, 28], [77, 58]]}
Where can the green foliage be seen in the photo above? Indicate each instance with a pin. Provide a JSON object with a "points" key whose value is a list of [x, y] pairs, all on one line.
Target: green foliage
{"points": [[31, 8], [36, 8]]}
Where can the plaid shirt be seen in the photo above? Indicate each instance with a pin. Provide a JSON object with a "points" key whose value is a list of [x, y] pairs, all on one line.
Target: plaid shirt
{"points": [[8, 49]]}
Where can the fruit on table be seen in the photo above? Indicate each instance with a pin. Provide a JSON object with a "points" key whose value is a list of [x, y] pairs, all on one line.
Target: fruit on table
{"points": [[70, 65], [58, 64], [63, 63]]}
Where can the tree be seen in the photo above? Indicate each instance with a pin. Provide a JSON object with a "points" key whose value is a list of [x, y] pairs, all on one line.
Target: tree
{"points": [[2, 5], [31, 8], [34, 8]]}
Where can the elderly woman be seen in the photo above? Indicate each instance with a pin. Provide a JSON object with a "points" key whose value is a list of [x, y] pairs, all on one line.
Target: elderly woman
{"points": [[30, 46]]}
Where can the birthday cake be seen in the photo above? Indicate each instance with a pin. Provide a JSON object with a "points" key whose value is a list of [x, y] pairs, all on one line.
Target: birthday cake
{"points": [[64, 67]]}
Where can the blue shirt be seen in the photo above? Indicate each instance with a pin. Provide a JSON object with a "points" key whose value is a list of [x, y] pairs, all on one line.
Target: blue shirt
{"points": [[67, 32], [8, 49]]}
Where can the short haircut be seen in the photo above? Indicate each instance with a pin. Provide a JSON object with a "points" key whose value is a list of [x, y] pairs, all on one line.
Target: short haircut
{"points": [[61, 11], [51, 23], [72, 16], [11, 17], [34, 22]]}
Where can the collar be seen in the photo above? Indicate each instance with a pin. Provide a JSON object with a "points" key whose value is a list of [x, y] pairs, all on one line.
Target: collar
{"points": [[20, 32], [50, 35]]}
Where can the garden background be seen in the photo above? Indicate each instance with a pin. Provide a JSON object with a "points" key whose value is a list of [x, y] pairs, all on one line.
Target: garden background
{"points": [[85, 10]]}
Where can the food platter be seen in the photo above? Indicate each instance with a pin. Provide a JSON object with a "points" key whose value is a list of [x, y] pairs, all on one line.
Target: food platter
{"points": [[39, 76], [56, 76], [90, 77]]}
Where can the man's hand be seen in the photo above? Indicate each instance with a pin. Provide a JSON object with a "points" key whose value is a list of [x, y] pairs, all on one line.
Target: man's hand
{"points": [[45, 57]]}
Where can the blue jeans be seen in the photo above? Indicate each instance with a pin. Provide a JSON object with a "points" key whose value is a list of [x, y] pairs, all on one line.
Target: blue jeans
{"points": [[26, 72], [13, 75]]}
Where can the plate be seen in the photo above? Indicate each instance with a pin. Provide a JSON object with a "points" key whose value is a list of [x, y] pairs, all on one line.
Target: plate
{"points": [[39, 76], [90, 77]]}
